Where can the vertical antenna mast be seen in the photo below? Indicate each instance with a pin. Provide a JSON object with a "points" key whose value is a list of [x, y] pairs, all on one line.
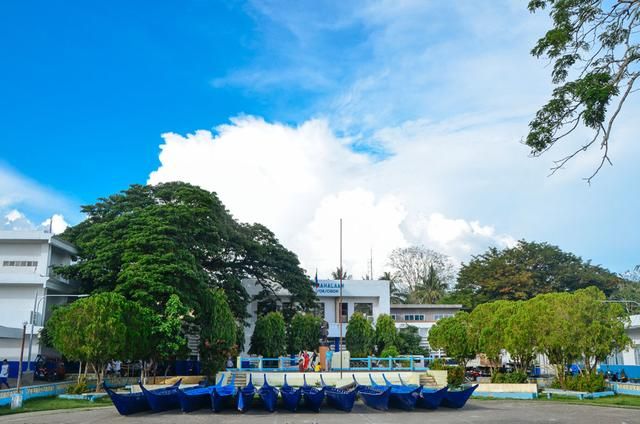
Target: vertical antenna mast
{"points": [[340, 300]]}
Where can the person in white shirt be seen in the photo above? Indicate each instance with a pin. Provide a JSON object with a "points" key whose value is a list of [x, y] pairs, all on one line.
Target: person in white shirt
{"points": [[117, 366], [4, 374]]}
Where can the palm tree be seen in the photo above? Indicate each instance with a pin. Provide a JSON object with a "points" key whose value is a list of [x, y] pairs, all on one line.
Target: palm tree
{"points": [[336, 274], [430, 289], [396, 293]]}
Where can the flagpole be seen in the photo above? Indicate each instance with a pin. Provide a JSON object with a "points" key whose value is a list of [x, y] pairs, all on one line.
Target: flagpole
{"points": [[340, 300]]}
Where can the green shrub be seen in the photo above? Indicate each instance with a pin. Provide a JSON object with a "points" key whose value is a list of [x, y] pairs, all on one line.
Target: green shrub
{"points": [[390, 352], [79, 388], [455, 376], [516, 377], [585, 383], [438, 364]]}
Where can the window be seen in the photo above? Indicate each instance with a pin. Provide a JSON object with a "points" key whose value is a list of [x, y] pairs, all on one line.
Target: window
{"points": [[440, 316], [393, 317], [20, 263], [408, 317], [636, 352], [319, 310], [344, 309], [365, 309]]}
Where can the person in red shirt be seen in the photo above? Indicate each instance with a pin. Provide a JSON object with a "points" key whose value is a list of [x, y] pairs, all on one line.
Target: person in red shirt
{"points": [[305, 362]]}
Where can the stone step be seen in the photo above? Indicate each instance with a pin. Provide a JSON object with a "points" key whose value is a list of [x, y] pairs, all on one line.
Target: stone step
{"points": [[427, 380]]}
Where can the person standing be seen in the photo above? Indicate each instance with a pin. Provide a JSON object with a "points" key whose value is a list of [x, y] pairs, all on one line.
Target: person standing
{"points": [[117, 367], [4, 374]]}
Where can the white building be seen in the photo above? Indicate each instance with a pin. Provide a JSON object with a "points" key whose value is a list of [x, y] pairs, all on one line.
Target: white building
{"points": [[26, 262], [422, 316], [370, 297], [631, 356]]}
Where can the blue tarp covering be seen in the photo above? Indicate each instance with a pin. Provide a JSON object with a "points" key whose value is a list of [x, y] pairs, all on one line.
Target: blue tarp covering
{"points": [[631, 371]]}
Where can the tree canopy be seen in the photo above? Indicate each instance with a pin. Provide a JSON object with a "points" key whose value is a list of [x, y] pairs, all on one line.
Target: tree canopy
{"points": [[565, 327], [594, 50], [526, 270], [100, 328], [453, 335], [150, 243], [423, 274]]}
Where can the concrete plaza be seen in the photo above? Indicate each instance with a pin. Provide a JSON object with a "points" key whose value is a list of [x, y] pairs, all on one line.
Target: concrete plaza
{"points": [[474, 412]]}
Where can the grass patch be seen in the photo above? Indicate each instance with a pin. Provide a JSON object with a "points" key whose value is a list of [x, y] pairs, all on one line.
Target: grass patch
{"points": [[627, 401], [52, 403]]}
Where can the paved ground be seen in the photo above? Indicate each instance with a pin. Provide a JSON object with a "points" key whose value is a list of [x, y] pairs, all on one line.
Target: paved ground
{"points": [[474, 412]]}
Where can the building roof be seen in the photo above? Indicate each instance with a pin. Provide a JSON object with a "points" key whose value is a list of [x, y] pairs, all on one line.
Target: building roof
{"points": [[424, 306], [15, 235]]}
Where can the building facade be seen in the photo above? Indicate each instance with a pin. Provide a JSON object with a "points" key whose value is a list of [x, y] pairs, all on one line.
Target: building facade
{"points": [[369, 297], [27, 281], [421, 316]]}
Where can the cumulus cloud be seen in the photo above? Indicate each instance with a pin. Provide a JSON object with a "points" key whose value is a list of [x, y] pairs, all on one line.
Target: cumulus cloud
{"points": [[299, 181], [56, 224], [15, 220]]}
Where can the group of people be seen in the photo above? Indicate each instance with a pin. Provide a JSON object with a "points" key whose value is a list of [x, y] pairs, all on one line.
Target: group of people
{"points": [[114, 368], [308, 362]]}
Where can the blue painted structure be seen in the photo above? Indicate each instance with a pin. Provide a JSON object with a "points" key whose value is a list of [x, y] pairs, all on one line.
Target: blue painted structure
{"points": [[370, 363], [31, 392], [631, 371], [505, 395]]}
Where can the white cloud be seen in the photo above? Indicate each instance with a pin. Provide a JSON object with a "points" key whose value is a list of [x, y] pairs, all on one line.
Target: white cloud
{"points": [[15, 220], [22, 199], [56, 224], [299, 181]]}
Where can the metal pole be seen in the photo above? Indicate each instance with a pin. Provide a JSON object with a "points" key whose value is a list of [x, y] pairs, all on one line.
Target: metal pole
{"points": [[33, 318], [24, 332], [340, 300]]}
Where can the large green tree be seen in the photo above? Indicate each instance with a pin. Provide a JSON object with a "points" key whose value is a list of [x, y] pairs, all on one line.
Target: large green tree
{"points": [[594, 49], [100, 328], [360, 337], [418, 268], [269, 336], [526, 270], [151, 242]]}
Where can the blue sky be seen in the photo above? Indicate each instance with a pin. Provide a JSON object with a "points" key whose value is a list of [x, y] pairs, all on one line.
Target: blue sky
{"points": [[404, 117]]}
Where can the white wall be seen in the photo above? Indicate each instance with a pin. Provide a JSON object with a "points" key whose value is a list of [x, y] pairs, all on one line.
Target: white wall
{"points": [[16, 303]]}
